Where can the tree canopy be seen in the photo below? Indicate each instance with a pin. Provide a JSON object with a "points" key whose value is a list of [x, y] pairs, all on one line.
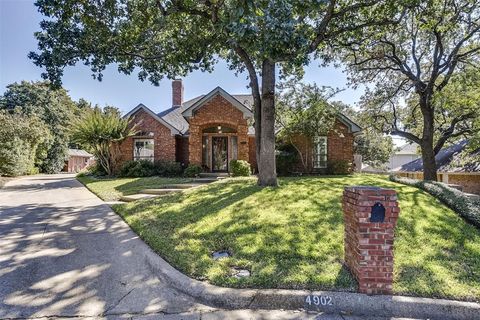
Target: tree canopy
{"points": [[20, 136], [303, 110], [54, 108], [412, 66], [101, 131]]}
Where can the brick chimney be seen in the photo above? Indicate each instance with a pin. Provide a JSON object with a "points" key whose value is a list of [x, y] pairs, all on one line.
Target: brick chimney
{"points": [[177, 93]]}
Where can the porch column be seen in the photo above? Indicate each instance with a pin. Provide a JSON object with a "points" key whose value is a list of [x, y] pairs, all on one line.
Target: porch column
{"points": [[242, 133], [195, 145]]}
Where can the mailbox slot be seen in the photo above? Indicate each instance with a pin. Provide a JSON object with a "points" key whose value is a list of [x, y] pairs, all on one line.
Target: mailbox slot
{"points": [[377, 214]]}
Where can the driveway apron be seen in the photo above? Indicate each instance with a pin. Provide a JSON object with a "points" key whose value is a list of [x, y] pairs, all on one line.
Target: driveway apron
{"points": [[63, 252]]}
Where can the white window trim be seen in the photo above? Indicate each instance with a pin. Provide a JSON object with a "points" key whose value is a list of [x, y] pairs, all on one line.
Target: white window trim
{"points": [[316, 140], [152, 158]]}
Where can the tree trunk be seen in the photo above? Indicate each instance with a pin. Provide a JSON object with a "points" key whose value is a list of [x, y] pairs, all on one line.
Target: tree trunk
{"points": [[257, 116], [429, 165], [428, 154], [267, 175]]}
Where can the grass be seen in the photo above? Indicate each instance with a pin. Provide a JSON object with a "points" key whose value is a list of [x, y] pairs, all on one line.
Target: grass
{"points": [[292, 236], [112, 189]]}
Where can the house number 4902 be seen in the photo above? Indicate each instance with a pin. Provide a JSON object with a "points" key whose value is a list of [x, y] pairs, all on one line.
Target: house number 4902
{"points": [[318, 300]]}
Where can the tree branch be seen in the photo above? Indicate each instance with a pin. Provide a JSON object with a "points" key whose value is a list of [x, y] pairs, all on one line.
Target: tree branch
{"points": [[450, 131]]}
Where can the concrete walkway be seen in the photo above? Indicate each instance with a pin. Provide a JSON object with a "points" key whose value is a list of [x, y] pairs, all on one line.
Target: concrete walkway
{"points": [[65, 253]]}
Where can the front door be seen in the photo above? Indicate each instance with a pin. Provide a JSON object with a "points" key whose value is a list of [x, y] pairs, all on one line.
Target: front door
{"points": [[219, 154]]}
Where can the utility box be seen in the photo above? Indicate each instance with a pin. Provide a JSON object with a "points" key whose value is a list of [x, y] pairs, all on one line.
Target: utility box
{"points": [[370, 216]]}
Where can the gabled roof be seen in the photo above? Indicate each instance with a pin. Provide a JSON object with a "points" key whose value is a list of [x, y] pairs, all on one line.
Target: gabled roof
{"points": [[352, 126], [409, 149], [155, 116], [174, 117], [188, 112], [79, 153], [454, 158]]}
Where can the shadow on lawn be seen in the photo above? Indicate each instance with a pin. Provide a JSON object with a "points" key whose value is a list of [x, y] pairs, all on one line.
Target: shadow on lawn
{"points": [[292, 236], [138, 184], [281, 251]]}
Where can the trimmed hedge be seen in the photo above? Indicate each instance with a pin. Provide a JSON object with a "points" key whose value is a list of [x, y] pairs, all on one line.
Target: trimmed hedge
{"points": [[339, 167], [168, 169], [240, 168], [286, 157], [192, 171], [456, 200]]}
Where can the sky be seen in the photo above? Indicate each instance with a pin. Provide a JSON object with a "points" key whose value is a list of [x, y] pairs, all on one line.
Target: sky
{"points": [[19, 20]]}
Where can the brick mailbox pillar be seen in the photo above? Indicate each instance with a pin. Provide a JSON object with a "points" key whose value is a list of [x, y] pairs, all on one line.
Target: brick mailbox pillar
{"points": [[370, 216]]}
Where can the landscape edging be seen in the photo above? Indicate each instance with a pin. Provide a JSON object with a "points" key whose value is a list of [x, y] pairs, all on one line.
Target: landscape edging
{"points": [[342, 302]]}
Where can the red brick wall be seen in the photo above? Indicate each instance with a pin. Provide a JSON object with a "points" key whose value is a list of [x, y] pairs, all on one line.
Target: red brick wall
{"points": [[469, 183], [76, 163], [340, 143], [339, 146], [217, 111], [182, 150], [369, 245], [164, 142]]}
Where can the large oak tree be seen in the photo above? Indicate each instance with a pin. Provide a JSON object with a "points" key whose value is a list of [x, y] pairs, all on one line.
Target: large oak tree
{"points": [[174, 37], [411, 65]]}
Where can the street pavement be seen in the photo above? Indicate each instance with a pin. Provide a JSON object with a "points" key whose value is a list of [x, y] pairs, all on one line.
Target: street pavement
{"points": [[65, 254]]}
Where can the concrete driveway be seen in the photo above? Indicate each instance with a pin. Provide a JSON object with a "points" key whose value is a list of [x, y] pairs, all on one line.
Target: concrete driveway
{"points": [[63, 252]]}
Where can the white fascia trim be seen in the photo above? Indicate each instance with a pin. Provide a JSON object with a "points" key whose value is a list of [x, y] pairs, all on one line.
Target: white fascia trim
{"points": [[352, 126], [173, 130]]}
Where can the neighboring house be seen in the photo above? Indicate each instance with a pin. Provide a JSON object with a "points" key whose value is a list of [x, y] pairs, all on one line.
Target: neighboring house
{"points": [[405, 154], [213, 129], [77, 160], [456, 166]]}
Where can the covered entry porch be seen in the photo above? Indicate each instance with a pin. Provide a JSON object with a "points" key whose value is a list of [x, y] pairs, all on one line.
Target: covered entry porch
{"points": [[218, 145]]}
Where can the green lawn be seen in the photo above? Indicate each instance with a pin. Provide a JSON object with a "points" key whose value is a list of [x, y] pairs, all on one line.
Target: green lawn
{"points": [[112, 189], [292, 236]]}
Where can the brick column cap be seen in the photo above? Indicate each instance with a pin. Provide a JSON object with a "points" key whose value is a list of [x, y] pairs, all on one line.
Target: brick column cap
{"points": [[370, 190]]}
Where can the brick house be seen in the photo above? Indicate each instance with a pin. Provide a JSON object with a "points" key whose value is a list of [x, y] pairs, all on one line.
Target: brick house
{"points": [[77, 160], [213, 129]]}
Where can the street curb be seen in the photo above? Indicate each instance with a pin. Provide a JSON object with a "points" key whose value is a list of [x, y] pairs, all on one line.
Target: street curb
{"points": [[342, 302]]}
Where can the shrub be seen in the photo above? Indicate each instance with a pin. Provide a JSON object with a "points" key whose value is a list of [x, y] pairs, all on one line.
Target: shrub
{"points": [[240, 168], [138, 168], [55, 159], [96, 170], [339, 167], [102, 131], [192, 170], [20, 137], [286, 158], [168, 168], [456, 200], [16, 157]]}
